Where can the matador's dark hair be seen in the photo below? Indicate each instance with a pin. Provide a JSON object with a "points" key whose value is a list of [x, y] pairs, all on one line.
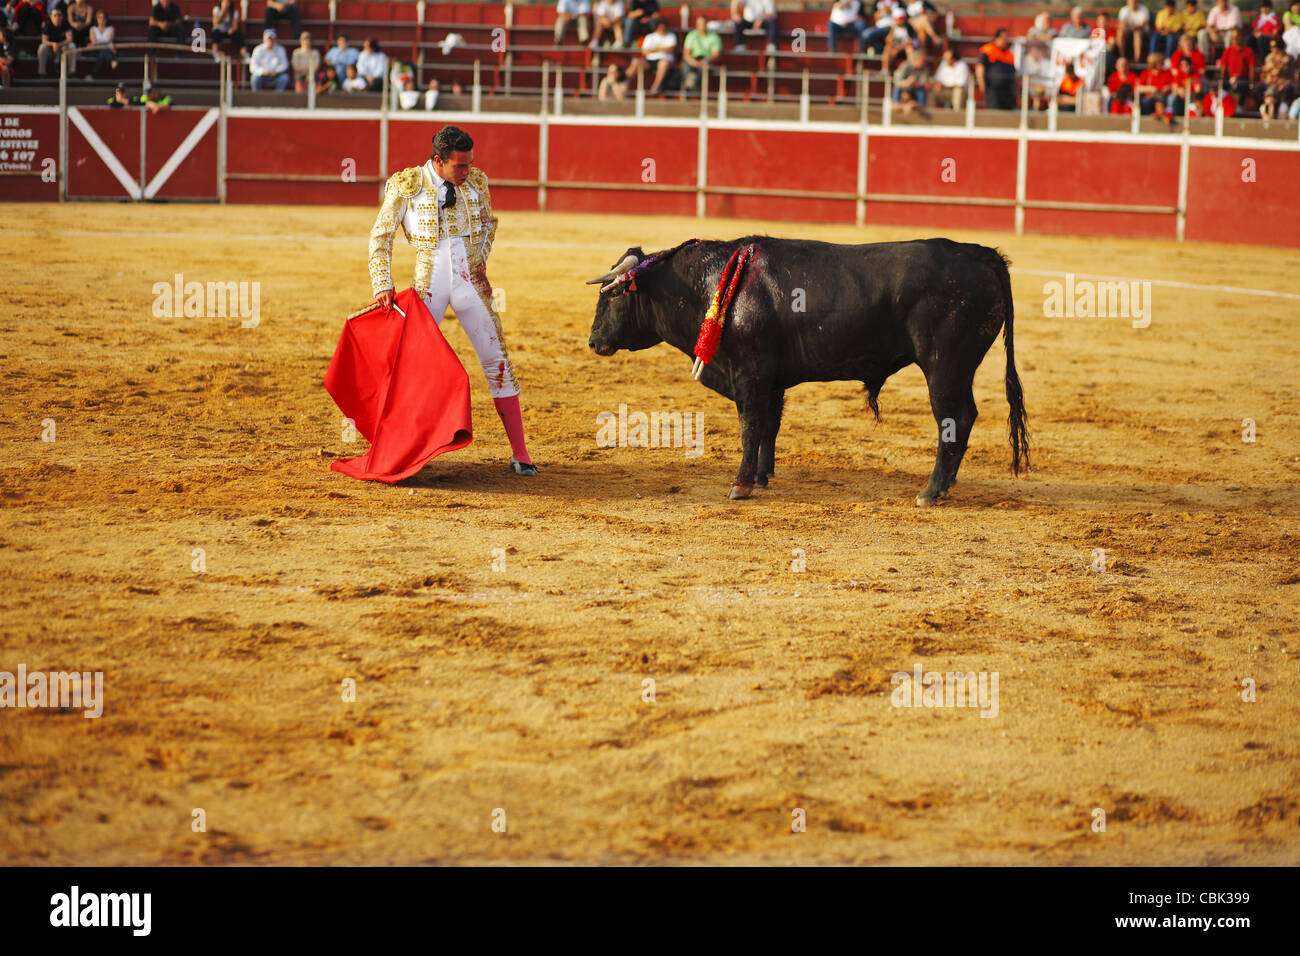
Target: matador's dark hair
{"points": [[451, 139]]}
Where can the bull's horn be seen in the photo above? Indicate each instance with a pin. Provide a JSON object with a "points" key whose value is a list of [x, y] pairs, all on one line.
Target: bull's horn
{"points": [[629, 262]]}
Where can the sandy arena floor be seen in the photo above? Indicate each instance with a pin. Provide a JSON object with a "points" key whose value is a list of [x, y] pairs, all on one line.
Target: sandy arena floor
{"points": [[521, 689]]}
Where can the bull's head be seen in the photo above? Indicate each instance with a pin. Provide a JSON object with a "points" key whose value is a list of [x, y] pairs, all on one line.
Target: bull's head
{"points": [[619, 322]]}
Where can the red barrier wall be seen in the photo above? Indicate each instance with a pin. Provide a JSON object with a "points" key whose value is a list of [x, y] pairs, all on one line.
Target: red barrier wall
{"points": [[27, 133]]}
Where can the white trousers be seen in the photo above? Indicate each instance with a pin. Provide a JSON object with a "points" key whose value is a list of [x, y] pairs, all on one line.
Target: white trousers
{"points": [[451, 285]]}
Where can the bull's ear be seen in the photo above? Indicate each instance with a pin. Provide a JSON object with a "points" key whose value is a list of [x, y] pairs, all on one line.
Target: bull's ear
{"points": [[629, 262]]}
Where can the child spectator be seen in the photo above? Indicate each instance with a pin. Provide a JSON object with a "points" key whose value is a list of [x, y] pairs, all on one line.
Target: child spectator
{"points": [[1067, 96], [608, 17], [1217, 97], [328, 81], [305, 62], [1121, 104], [354, 83], [951, 78], [371, 64]]}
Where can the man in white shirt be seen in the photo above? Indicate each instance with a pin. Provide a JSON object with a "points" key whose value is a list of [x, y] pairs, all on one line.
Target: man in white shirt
{"points": [[445, 209], [657, 48], [371, 65], [951, 77], [846, 18], [269, 65], [1134, 19], [567, 10], [754, 15]]}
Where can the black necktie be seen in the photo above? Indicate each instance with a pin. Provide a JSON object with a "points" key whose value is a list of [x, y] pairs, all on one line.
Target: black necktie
{"points": [[449, 199]]}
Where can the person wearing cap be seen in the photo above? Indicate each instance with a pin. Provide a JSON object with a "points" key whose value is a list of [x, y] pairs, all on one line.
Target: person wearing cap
{"points": [[305, 62], [277, 10], [166, 22], [445, 209], [269, 65]]}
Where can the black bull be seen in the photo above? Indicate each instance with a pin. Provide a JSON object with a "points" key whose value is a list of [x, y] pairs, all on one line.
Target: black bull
{"points": [[807, 311]]}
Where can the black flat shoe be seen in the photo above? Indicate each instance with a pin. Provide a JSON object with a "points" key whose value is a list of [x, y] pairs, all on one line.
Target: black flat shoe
{"points": [[520, 468]]}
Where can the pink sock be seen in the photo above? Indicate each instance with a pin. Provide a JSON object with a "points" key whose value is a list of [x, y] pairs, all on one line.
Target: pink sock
{"points": [[513, 420]]}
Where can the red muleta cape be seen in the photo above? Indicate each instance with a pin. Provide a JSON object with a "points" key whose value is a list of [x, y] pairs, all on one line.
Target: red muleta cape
{"points": [[397, 378]]}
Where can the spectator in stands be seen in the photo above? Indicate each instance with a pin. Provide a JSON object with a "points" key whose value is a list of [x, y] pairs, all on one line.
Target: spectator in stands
{"points": [[120, 98], [614, 85], [658, 49], [1074, 28], [408, 97], [699, 48], [845, 18], [371, 64], [342, 56], [1154, 86], [354, 82], [305, 63], [1122, 102], [1219, 97], [1121, 76], [26, 16], [1185, 73], [1194, 25], [911, 80], [1042, 31], [951, 78], [1134, 26], [1187, 51], [1277, 80], [269, 64], [1291, 18], [432, 94], [8, 56], [1222, 23], [80, 17], [277, 10], [102, 35], [1237, 65], [921, 16], [1169, 27], [225, 24], [754, 15], [1067, 94], [328, 81], [1106, 33], [166, 22], [56, 36], [1267, 25], [154, 100], [642, 15], [889, 17], [571, 10], [995, 72], [608, 17]]}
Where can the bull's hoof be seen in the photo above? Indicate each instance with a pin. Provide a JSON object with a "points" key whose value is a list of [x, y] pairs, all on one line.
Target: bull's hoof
{"points": [[928, 501], [761, 481], [739, 491]]}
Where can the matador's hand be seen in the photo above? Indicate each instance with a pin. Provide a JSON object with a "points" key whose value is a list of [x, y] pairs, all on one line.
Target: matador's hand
{"points": [[385, 298]]}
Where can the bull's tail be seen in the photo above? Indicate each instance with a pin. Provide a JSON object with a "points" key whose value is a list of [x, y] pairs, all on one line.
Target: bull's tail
{"points": [[1015, 395]]}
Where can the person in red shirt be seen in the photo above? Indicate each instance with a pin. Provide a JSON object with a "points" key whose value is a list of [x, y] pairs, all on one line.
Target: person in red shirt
{"points": [[1122, 102], [1121, 76], [1184, 72], [1187, 50], [1153, 87], [1238, 65], [1266, 26], [1209, 104]]}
